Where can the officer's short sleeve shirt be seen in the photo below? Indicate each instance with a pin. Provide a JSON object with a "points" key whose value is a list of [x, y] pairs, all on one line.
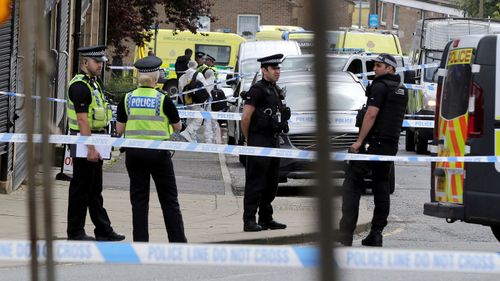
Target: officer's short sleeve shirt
{"points": [[378, 95], [168, 108], [79, 93], [255, 97]]}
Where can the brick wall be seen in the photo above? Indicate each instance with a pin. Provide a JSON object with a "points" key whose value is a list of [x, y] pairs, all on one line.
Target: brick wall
{"points": [[408, 18]]}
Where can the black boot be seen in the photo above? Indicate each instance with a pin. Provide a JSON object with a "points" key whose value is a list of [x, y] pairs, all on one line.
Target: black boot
{"points": [[251, 226], [374, 239]]}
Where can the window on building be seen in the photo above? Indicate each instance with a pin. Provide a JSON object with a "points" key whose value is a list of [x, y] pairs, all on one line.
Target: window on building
{"points": [[204, 21], [395, 17], [248, 25], [383, 13]]}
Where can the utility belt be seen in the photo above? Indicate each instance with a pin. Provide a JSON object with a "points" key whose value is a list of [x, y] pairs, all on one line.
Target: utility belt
{"points": [[265, 121], [102, 131]]}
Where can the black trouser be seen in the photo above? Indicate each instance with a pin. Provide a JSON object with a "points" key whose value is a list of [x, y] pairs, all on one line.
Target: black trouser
{"points": [[353, 188], [141, 164], [85, 192], [261, 182]]}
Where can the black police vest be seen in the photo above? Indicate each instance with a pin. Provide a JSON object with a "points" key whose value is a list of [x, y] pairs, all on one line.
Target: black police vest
{"points": [[263, 119], [391, 114]]}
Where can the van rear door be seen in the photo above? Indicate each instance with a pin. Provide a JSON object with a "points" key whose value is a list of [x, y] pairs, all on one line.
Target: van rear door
{"points": [[468, 123]]}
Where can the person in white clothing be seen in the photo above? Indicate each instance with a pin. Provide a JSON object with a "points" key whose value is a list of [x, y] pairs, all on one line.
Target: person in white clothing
{"points": [[192, 124], [211, 125]]}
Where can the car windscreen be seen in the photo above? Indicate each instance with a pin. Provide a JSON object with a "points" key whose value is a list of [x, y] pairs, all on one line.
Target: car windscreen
{"points": [[455, 100], [250, 67], [300, 96]]}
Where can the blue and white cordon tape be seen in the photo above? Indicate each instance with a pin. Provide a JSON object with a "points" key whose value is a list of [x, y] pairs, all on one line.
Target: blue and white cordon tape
{"points": [[248, 255], [404, 68], [104, 140]]}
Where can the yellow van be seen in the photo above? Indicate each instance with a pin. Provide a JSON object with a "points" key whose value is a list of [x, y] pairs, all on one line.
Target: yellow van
{"points": [[168, 46], [371, 42], [275, 32]]}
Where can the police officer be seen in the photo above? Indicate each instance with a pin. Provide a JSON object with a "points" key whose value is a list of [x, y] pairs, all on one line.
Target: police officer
{"points": [[379, 134], [210, 63], [147, 114], [88, 114], [200, 60], [264, 118]]}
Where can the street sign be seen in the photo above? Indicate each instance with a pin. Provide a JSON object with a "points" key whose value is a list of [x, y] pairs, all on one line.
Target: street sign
{"points": [[373, 21]]}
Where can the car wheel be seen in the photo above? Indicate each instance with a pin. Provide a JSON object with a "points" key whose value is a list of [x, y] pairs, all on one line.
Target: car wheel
{"points": [[496, 231], [420, 144], [410, 140]]}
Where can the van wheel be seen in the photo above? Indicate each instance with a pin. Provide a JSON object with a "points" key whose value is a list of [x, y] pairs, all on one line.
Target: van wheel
{"points": [[420, 144], [410, 140], [496, 231]]}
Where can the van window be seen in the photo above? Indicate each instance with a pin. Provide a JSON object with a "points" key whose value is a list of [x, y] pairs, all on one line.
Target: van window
{"points": [[356, 66], [429, 73], [455, 100], [221, 54]]}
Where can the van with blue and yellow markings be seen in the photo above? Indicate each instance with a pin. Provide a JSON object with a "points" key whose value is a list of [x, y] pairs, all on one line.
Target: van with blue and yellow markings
{"points": [[169, 45], [467, 123]]}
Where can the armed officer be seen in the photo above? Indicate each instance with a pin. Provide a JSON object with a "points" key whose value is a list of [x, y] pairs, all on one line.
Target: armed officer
{"points": [[264, 118], [147, 114], [379, 134], [88, 114]]}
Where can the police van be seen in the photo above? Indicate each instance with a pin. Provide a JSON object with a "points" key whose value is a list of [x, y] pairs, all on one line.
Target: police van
{"points": [[467, 123]]}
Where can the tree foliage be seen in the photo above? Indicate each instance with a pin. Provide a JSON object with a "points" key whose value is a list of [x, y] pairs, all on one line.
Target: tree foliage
{"points": [[134, 20], [471, 8]]}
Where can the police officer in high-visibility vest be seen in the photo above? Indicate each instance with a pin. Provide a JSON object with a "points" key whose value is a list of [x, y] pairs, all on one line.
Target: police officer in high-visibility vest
{"points": [[147, 114], [88, 114], [200, 60], [379, 134], [264, 117], [210, 64]]}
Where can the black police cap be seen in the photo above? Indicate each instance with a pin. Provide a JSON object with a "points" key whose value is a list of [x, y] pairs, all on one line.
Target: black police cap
{"points": [[272, 60], [200, 54], [387, 59], [148, 64], [210, 57], [96, 52]]}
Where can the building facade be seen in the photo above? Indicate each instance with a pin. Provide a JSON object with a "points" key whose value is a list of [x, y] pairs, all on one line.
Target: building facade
{"points": [[66, 32], [402, 15]]}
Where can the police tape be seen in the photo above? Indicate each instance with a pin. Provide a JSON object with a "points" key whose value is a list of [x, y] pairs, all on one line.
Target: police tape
{"points": [[430, 86], [105, 140], [403, 68], [252, 255], [235, 149], [347, 119], [12, 94], [129, 67]]}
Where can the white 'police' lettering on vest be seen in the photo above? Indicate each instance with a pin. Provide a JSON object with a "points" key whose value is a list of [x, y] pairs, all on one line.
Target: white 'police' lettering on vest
{"points": [[142, 102]]}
